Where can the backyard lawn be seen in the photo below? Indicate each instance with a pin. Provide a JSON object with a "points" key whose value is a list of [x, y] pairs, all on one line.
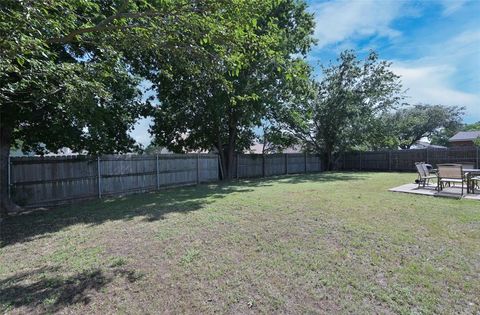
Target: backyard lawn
{"points": [[321, 243]]}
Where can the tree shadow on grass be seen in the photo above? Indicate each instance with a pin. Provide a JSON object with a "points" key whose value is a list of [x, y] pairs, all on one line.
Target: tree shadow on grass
{"points": [[300, 178], [46, 290], [152, 206]]}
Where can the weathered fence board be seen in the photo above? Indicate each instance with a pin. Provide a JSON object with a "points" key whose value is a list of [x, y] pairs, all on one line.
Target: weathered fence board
{"points": [[275, 164], [43, 181], [256, 165], [53, 179], [404, 160], [38, 181]]}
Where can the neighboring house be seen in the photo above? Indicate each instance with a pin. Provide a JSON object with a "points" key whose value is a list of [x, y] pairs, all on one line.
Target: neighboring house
{"points": [[257, 148], [464, 139], [426, 145]]}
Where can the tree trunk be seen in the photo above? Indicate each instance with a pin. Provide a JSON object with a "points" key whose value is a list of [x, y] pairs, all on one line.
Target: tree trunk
{"points": [[6, 204], [230, 162], [328, 158], [227, 162], [232, 141], [221, 155]]}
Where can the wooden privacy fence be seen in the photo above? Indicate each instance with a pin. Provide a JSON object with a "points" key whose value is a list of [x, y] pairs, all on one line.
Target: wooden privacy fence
{"points": [[46, 181], [41, 181], [258, 165], [404, 160]]}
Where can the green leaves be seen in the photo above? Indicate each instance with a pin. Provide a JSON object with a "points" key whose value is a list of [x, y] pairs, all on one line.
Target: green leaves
{"points": [[338, 113], [69, 69], [239, 77], [408, 125]]}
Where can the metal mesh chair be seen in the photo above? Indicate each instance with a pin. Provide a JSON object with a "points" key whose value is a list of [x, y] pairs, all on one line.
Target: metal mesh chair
{"points": [[450, 173], [424, 176]]}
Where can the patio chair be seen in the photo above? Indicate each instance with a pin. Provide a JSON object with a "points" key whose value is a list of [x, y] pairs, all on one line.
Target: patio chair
{"points": [[424, 176], [450, 174]]}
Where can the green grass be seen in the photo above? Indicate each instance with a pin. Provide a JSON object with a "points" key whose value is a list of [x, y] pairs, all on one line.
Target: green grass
{"points": [[323, 243]]}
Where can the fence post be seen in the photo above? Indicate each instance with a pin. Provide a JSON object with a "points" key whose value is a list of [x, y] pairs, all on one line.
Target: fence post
{"points": [[389, 160], [157, 174], [238, 165], [478, 165], [9, 177], [305, 158], [263, 164], [99, 181], [360, 153], [198, 168], [286, 163]]}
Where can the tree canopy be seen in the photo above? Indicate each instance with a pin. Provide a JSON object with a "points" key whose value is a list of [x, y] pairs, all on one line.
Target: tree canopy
{"points": [[342, 108], [406, 126], [218, 109], [70, 70]]}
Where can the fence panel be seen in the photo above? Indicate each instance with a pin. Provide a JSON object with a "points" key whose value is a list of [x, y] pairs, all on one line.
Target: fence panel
{"points": [[44, 181], [175, 170], [295, 163], [208, 168], [314, 163], [453, 155], [375, 161], [124, 174], [275, 164], [51, 180], [254, 165], [249, 165], [404, 160]]}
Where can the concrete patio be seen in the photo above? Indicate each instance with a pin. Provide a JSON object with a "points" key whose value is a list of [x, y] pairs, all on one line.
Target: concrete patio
{"points": [[430, 190]]}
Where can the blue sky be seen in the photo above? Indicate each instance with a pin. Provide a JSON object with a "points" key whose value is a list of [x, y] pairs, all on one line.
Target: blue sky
{"points": [[434, 46]]}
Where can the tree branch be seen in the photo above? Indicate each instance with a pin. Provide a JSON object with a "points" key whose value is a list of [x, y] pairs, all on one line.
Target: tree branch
{"points": [[102, 26]]}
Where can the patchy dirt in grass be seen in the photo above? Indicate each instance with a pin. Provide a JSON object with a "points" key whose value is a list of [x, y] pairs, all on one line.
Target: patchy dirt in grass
{"points": [[325, 243]]}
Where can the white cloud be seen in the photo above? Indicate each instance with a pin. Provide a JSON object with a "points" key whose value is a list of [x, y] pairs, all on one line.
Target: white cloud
{"points": [[466, 39], [444, 75], [340, 20], [451, 6], [430, 84]]}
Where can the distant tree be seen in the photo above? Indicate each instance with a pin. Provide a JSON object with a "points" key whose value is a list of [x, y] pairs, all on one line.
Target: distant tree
{"points": [[275, 140], [342, 110], [476, 142], [472, 127], [406, 126], [153, 149]]}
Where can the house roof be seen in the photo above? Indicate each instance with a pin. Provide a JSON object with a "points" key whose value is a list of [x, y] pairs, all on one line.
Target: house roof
{"points": [[424, 145], [465, 136], [258, 148]]}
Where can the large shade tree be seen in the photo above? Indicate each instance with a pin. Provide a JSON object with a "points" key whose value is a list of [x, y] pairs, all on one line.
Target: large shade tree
{"points": [[69, 69], [341, 112], [216, 104]]}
